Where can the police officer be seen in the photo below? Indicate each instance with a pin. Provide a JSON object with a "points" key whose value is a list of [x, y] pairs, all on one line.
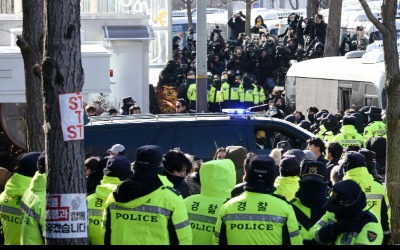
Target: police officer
{"points": [[191, 91], [287, 183], [310, 197], [10, 198], [331, 125], [118, 168], [230, 92], [377, 199], [145, 209], [249, 95], [347, 221], [214, 95], [218, 178], [376, 126], [33, 204], [258, 217], [348, 135]]}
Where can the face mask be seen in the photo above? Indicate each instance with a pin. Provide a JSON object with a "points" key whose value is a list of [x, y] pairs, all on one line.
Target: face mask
{"points": [[273, 111], [190, 80], [261, 141], [311, 118]]}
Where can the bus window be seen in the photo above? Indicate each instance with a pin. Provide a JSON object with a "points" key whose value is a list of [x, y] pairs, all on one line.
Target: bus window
{"points": [[344, 98], [371, 95], [376, 36]]}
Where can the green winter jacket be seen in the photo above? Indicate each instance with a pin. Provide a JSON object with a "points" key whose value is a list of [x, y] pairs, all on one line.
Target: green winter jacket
{"points": [[218, 178], [147, 220], [33, 205], [287, 186], [10, 210], [96, 204]]}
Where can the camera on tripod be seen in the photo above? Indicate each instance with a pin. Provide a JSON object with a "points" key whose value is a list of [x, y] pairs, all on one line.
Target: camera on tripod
{"points": [[309, 21], [217, 30]]}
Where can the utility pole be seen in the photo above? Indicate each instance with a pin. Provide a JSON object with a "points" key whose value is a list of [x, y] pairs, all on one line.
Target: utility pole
{"points": [[201, 57]]}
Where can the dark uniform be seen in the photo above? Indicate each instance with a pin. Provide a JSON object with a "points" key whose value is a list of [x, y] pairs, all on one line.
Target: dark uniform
{"points": [[348, 220]]}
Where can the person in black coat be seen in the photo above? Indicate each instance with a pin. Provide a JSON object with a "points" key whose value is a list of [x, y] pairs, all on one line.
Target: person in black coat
{"points": [[237, 24], [176, 167]]}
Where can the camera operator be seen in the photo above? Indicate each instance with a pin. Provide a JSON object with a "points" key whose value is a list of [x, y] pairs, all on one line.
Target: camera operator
{"points": [[237, 24], [252, 54], [284, 53], [316, 28], [259, 26], [191, 37], [358, 41], [292, 21], [265, 67], [237, 61], [216, 66], [216, 34], [241, 39]]}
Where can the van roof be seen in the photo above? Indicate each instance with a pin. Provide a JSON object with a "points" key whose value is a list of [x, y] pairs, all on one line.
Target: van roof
{"points": [[340, 68]]}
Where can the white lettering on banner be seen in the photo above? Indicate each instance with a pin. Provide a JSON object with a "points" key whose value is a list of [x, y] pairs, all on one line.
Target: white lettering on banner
{"points": [[71, 109], [66, 216]]}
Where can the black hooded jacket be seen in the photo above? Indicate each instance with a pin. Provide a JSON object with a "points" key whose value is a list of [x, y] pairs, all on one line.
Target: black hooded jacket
{"points": [[143, 182]]}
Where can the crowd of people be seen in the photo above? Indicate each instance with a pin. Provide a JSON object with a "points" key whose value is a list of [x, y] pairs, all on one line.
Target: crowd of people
{"points": [[331, 192], [128, 107], [242, 69]]}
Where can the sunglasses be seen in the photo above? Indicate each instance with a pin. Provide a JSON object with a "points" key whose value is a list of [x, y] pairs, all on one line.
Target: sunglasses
{"points": [[177, 107]]}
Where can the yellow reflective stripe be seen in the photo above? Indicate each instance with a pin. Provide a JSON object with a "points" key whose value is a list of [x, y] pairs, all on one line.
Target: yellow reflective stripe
{"points": [[202, 218], [254, 217], [10, 210], [30, 212], [144, 208]]}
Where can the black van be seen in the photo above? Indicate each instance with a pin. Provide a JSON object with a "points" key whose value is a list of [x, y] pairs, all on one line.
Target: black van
{"points": [[197, 134]]}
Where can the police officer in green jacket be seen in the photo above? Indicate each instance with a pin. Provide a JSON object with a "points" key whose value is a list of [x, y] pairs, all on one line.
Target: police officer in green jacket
{"points": [[10, 198], [214, 95], [230, 91], [377, 199], [249, 96], [33, 205], [145, 209], [287, 183], [310, 198], [376, 126], [118, 168], [218, 178], [348, 135], [257, 216], [348, 221]]}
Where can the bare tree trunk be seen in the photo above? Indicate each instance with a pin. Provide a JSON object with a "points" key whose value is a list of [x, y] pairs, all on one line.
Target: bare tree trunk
{"points": [[248, 16], [31, 46], [333, 30], [282, 4], [312, 7], [189, 12], [62, 73], [392, 84], [296, 6]]}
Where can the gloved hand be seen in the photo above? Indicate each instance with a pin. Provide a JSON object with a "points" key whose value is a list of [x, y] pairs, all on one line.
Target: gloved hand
{"points": [[329, 233]]}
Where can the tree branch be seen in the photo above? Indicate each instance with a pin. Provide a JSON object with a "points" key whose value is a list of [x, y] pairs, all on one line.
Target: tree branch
{"points": [[371, 17]]}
